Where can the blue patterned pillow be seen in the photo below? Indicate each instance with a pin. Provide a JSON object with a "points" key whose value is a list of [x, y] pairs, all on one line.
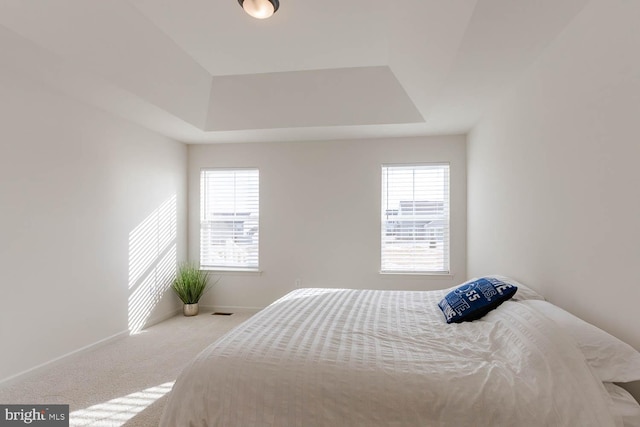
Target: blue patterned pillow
{"points": [[474, 299]]}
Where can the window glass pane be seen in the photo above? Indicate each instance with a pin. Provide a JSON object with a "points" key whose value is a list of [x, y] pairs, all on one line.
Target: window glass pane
{"points": [[415, 218], [229, 218]]}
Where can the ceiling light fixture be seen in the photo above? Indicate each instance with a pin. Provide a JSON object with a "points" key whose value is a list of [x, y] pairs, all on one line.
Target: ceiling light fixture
{"points": [[260, 9]]}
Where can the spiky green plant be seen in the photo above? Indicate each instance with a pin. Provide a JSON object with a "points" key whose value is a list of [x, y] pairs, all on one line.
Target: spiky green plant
{"points": [[190, 283]]}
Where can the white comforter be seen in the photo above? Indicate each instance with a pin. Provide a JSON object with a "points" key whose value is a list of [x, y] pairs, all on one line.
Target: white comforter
{"points": [[335, 357]]}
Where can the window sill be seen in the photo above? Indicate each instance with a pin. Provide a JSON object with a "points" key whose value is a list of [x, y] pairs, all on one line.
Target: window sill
{"points": [[233, 271], [418, 274]]}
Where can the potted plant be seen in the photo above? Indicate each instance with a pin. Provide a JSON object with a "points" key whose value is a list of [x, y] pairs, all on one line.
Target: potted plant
{"points": [[190, 284]]}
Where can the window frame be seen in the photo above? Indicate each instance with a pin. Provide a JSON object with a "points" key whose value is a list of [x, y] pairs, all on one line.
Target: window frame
{"points": [[228, 269], [447, 232]]}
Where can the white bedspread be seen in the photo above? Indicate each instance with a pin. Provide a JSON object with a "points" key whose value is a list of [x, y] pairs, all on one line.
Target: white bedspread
{"points": [[335, 357]]}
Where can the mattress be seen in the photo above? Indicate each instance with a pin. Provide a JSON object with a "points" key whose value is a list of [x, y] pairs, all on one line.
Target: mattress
{"points": [[341, 357]]}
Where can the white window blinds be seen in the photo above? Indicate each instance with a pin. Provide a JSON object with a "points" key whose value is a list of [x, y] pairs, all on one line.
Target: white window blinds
{"points": [[415, 218], [229, 219]]}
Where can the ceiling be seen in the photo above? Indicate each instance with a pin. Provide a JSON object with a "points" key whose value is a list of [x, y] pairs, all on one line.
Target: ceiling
{"points": [[202, 71]]}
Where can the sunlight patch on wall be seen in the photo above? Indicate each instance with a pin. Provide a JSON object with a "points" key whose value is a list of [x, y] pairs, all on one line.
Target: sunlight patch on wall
{"points": [[120, 410], [152, 262]]}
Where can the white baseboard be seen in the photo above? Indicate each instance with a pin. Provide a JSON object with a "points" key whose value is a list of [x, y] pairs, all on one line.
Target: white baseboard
{"points": [[41, 367], [231, 309], [161, 317]]}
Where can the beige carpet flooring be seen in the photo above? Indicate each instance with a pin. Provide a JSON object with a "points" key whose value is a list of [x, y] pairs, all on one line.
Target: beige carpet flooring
{"points": [[126, 381]]}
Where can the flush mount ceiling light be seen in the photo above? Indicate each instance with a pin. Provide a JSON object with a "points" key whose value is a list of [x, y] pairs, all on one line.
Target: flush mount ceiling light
{"points": [[260, 9]]}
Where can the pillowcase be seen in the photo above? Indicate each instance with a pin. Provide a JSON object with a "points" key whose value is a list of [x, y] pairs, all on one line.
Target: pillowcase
{"points": [[474, 299], [524, 292], [611, 359], [623, 405]]}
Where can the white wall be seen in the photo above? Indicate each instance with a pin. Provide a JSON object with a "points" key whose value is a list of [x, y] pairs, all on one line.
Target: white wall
{"points": [[320, 214], [553, 173], [92, 216]]}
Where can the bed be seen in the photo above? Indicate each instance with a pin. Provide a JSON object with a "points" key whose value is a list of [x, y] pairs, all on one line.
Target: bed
{"points": [[343, 357]]}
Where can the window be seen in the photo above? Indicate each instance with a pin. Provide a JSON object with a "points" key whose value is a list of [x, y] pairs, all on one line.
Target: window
{"points": [[415, 218], [229, 219]]}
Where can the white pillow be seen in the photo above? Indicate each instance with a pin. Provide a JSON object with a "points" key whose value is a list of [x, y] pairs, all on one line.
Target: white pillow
{"points": [[623, 405], [612, 360], [523, 293]]}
